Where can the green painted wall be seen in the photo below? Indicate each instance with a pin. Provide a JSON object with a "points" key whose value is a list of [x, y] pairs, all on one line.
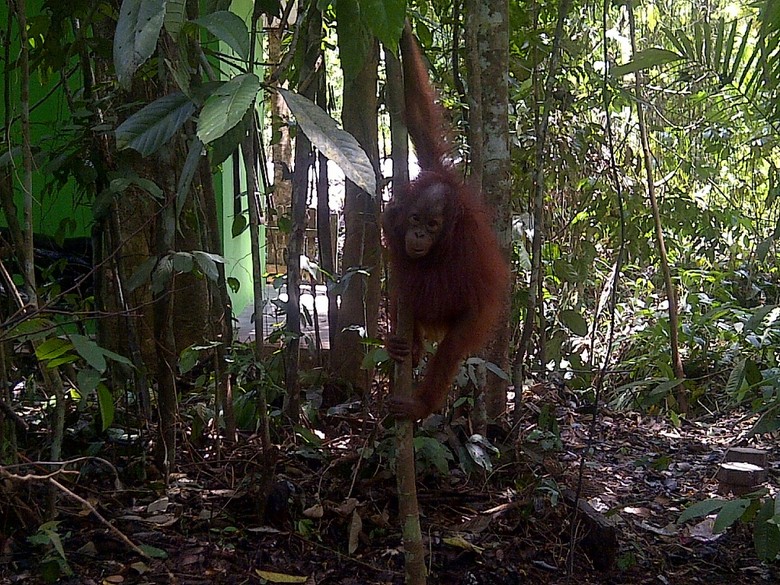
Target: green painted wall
{"points": [[65, 211], [56, 210], [237, 251]]}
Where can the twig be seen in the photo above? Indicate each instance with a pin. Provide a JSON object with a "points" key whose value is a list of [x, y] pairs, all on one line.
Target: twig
{"points": [[119, 534]]}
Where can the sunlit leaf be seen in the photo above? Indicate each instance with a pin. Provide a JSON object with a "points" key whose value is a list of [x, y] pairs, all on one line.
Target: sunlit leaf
{"points": [[52, 348], [226, 106], [106, 406], [336, 144], [646, 59], [273, 577]]}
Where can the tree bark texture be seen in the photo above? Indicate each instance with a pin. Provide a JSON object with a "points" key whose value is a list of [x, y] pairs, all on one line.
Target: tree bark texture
{"points": [[360, 297], [491, 21]]}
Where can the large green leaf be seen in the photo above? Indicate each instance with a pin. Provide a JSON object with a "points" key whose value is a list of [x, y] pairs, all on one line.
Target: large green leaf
{"points": [[574, 322], [208, 263], [137, 31], [226, 106], [106, 406], [336, 144], [175, 15], [228, 28], [154, 125], [703, 508], [385, 19], [90, 351], [651, 57], [188, 174], [730, 513]]}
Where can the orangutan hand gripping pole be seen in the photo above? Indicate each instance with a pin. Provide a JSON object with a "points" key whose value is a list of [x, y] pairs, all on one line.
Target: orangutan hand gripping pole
{"points": [[446, 264]]}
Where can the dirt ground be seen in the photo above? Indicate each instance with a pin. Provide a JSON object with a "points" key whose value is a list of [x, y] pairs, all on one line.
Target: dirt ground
{"points": [[332, 514]]}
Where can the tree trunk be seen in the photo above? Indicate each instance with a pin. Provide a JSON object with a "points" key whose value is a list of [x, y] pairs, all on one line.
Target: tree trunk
{"points": [[543, 98], [491, 21], [303, 163], [359, 310], [671, 292]]}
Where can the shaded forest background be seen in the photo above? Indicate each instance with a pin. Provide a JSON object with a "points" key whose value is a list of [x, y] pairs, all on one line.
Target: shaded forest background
{"points": [[630, 152]]}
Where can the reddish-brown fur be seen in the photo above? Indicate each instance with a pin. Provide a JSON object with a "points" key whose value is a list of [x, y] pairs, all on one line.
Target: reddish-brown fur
{"points": [[455, 291]]}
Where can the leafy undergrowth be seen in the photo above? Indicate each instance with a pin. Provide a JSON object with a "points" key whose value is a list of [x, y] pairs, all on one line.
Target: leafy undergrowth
{"points": [[331, 518]]}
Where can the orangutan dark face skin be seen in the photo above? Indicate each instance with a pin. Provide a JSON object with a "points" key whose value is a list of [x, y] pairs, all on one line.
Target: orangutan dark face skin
{"points": [[446, 266], [425, 223]]}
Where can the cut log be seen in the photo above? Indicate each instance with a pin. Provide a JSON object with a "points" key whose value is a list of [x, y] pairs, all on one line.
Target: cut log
{"points": [[740, 478], [599, 539], [747, 455]]}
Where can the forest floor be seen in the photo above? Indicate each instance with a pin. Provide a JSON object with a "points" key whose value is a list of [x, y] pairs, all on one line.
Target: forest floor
{"points": [[332, 516]]}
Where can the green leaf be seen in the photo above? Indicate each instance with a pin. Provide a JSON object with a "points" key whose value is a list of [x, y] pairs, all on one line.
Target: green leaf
{"points": [[154, 125], [228, 28], [355, 42], [226, 106], [175, 16], [385, 19], [433, 452], [183, 262], [736, 377], [664, 387], [154, 552], [699, 509], [758, 316], [574, 322], [227, 144], [87, 380], [730, 513], [187, 174], [90, 351], [763, 247], [496, 370], [142, 273], [52, 348], [239, 225], [106, 406], [766, 539], [135, 39], [116, 357], [187, 359], [162, 274], [651, 57], [208, 263], [336, 144]]}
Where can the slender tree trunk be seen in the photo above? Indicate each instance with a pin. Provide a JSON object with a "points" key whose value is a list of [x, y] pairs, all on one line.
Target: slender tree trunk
{"points": [[671, 292], [281, 154], [303, 163], [324, 232], [492, 24], [249, 153], [541, 128], [406, 476], [359, 310]]}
